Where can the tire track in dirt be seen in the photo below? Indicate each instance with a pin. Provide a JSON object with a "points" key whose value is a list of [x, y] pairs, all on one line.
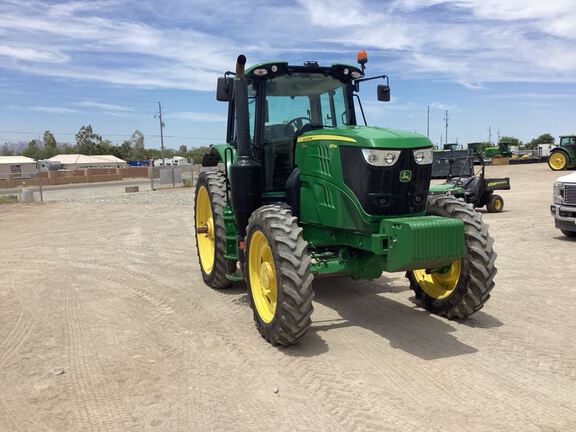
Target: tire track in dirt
{"points": [[7, 420], [17, 336], [96, 400], [180, 318]]}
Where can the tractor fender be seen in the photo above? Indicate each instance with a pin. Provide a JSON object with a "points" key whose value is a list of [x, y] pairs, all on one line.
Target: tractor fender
{"points": [[220, 153]]}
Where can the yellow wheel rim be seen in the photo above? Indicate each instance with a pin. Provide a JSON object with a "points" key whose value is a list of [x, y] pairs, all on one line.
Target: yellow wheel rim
{"points": [[498, 204], [205, 220], [558, 161], [439, 285], [262, 274]]}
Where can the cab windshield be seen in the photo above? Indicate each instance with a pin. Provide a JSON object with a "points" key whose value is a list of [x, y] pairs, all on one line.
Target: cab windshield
{"points": [[310, 97]]}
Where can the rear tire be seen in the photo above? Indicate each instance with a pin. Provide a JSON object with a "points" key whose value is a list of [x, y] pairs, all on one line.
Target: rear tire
{"points": [[282, 317], [571, 234], [495, 204], [214, 275], [476, 268], [558, 160]]}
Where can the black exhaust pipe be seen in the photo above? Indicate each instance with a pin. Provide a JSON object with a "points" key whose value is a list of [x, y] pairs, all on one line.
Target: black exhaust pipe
{"points": [[246, 172]]}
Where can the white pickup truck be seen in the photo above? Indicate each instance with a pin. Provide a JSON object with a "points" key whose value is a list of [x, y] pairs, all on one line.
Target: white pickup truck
{"points": [[564, 207]]}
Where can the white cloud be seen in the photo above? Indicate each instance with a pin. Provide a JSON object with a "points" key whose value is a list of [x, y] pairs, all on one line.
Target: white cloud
{"points": [[54, 110], [186, 44], [104, 106], [31, 54]]}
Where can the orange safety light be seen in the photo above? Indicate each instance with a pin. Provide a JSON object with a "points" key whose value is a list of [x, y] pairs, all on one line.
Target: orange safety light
{"points": [[362, 57]]}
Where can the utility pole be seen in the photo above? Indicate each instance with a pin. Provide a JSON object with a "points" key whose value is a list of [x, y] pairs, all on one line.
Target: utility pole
{"points": [[498, 135], [159, 116], [446, 123], [489, 134], [428, 123]]}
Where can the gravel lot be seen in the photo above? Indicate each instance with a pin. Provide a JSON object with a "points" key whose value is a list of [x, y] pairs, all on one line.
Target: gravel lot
{"points": [[105, 325]]}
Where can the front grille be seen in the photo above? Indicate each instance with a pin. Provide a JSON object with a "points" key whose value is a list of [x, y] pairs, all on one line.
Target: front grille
{"points": [[379, 189], [570, 194]]}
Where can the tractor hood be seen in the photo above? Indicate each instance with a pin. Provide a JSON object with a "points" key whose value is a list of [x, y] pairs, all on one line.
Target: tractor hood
{"points": [[367, 136]]}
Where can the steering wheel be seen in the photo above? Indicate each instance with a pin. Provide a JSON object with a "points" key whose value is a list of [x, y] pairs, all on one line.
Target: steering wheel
{"points": [[295, 125]]}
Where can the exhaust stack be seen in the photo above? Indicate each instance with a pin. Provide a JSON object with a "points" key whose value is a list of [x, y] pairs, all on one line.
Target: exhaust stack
{"points": [[245, 172]]}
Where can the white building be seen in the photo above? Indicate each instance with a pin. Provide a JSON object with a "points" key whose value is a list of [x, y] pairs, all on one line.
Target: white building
{"points": [[18, 165], [76, 161]]}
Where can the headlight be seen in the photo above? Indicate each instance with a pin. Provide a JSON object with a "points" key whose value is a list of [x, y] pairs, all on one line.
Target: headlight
{"points": [[381, 157], [558, 193], [423, 156]]}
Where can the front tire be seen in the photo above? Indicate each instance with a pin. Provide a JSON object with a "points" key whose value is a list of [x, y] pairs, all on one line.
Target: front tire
{"points": [[278, 275], [210, 200], [495, 204], [462, 288]]}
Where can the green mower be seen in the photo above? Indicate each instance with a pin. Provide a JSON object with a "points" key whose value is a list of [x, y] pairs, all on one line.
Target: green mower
{"points": [[300, 190]]}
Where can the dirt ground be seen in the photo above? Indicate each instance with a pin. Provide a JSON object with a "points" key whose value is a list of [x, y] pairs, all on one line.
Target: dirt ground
{"points": [[105, 325]]}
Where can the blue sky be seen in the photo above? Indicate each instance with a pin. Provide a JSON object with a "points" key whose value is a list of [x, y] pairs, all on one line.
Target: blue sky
{"points": [[505, 64]]}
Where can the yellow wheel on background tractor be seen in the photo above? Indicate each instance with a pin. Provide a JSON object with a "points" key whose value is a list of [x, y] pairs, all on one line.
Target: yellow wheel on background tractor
{"points": [[495, 204], [209, 205], [462, 287], [278, 275], [557, 161]]}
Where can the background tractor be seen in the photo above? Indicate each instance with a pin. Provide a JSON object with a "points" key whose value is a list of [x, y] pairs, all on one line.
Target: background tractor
{"points": [[563, 156], [473, 187], [300, 190]]}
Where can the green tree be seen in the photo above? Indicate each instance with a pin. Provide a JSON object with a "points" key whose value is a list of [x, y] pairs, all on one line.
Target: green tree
{"points": [[68, 149], [198, 153], [104, 147], [183, 150], [49, 140], [542, 139], [87, 141], [6, 151], [138, 151], [125, 150], [31, 150]]}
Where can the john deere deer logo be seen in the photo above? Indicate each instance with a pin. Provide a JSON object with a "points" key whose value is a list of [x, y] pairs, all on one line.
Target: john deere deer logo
{"points": [[405, 176]]}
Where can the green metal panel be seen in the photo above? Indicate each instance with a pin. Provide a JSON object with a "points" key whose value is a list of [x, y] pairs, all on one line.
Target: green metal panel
{"points": [[422, 242], [402, 244], [231, 234]]}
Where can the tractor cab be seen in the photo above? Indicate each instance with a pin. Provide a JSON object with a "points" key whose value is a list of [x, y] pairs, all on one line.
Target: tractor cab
{"points": [[568, 142], [285, 102]]}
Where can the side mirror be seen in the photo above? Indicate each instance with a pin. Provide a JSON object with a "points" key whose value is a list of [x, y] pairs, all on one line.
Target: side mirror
{"points": [[383, 92], [225, 89]]}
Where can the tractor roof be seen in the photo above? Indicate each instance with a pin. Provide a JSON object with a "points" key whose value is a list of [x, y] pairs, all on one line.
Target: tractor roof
{"points": [[272, 69]]}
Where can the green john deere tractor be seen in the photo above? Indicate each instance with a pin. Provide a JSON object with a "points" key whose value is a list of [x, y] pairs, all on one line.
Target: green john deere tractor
{"points": [[300, 191], [563, 156], [501, 150]]}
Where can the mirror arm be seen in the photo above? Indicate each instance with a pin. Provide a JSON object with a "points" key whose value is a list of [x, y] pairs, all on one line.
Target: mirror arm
{"points": [[359, 80], [361, 109]]}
